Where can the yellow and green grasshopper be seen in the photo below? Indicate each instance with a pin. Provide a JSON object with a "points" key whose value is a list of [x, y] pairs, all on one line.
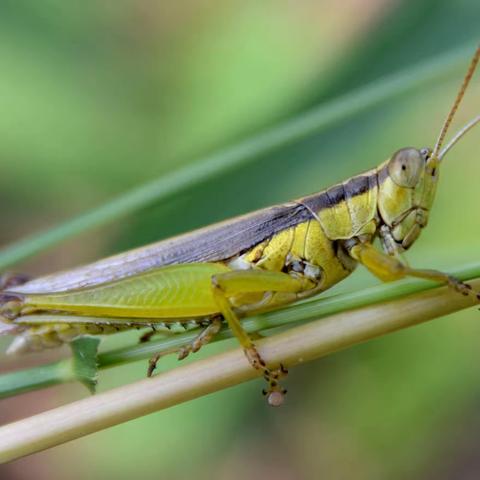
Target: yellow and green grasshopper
{"points": [[253, 263]]}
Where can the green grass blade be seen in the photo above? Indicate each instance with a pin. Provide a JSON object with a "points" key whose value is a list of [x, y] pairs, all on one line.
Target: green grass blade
{"points": [[296, 346]]}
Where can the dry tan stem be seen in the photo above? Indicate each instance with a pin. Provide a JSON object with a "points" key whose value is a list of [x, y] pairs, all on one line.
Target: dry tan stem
{"points": [[293, 347]]}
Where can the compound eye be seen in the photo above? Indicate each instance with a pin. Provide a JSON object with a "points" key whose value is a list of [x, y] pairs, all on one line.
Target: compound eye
{"points": [[406, 166]]}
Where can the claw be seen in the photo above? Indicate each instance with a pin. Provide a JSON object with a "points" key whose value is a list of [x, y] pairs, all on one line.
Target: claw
{"points": [[276, 398], [183, 353], [275, 393], [147, 336], [152, 365]]}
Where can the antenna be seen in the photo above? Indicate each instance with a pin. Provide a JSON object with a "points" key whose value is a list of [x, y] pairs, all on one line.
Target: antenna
{"points": [[456, 103], [458, 136]]}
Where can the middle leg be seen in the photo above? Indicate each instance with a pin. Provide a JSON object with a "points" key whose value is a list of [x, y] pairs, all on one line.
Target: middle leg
{"points": [[203, 338]]}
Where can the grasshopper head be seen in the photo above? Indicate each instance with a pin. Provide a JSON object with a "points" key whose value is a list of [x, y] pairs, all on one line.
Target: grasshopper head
{"points": [[407, 185], [408, 180]]}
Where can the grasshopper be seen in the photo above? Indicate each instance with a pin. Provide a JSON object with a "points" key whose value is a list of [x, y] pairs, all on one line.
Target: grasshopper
{"points": [[249, 264]]}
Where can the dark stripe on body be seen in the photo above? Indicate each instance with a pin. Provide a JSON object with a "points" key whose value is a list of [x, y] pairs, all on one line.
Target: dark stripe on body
{"points": [[373, 181], [357, 185], [382, 174], [338, 193], [335, 195]]}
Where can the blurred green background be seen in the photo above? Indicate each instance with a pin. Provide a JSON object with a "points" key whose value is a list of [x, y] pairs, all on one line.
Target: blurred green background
{"points": [[98, 97]]}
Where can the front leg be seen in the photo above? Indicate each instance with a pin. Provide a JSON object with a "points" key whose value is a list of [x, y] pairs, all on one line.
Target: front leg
{"points": [[230, 284], [389, 268]]}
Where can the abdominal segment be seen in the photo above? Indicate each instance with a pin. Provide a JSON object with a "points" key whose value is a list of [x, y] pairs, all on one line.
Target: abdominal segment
{"points": [[39, 334]]}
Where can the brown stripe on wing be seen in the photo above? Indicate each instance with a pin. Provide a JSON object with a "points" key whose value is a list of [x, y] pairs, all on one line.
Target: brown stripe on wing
{"points": [[215, 243]]}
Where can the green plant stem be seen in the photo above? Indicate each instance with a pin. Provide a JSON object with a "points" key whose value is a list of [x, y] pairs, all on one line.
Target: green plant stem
{"points": [[314, 121], [35, 378], [320, 307], [292, 347]]}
